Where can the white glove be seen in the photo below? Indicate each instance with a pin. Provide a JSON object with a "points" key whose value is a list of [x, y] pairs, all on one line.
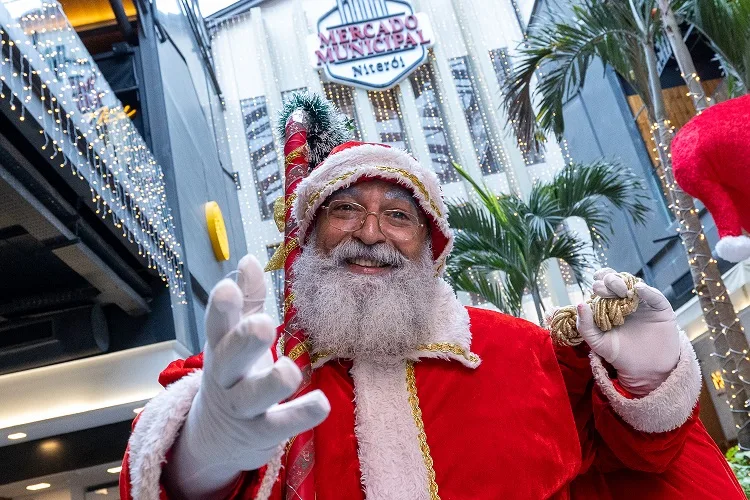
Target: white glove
{"points": [[644, 350], [234, 423]]}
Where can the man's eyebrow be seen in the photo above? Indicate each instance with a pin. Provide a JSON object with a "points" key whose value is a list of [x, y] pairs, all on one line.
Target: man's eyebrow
{"points": [[350, 191], [400, 194]]}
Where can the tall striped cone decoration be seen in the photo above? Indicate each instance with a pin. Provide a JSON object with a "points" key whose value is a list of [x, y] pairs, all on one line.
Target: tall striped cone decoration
{"points": [[311, 127]]}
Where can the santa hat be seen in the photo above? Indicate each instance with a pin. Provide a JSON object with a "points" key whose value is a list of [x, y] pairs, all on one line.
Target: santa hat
{"points": [[711, 161], [353, 162]]}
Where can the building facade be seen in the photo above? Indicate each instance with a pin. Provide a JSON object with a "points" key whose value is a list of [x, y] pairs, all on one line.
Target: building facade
{"points": [[444, 109], [111, 173]]}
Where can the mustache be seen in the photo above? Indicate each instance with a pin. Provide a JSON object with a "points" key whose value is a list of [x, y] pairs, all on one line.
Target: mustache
{"points": [[381, 252]]}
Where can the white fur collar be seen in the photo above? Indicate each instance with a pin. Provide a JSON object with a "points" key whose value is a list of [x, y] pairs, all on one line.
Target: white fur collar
{"points": [[450, 336]]}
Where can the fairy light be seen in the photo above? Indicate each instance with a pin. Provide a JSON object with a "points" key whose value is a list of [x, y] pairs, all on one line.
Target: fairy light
{"points": [[52, 79]]}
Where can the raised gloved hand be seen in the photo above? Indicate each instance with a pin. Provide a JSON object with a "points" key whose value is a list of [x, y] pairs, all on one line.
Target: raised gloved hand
{"points": [[234, 423], [645, 349]]}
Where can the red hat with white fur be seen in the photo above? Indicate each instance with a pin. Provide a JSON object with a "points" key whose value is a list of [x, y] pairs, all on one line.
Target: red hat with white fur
{"points": [[711, 161], [352, 162]]}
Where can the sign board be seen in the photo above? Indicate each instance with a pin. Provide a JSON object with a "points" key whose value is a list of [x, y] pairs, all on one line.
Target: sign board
{"points": [[372, 44]]}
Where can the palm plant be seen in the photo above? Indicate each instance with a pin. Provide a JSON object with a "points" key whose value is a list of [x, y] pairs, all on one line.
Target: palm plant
{"points": [[503, 243], [726, 25], [622, 34]]}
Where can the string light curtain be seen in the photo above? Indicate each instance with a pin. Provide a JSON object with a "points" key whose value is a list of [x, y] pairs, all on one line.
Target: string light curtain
{"points": [[343, 97], [430, 106], [388, 118], [262, 149], [468, 95], [49, 77]]}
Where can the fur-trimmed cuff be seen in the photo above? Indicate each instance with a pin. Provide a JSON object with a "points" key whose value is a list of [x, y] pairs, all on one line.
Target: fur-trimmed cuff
{"points": [[668, 406], [733, 248], [156, 431]]}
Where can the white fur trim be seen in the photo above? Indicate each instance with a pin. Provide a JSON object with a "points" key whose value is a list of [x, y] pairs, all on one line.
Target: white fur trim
{"points": [[668, 406], [156, 431], [344, 168], [390, 459], [450, 333], [734, 248]]}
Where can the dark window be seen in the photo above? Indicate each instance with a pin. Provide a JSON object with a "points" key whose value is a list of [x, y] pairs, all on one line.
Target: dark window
{"points": [[502, 65], [431, 118], [343, 97], [469, 98], [389, 123], [262, 150]]}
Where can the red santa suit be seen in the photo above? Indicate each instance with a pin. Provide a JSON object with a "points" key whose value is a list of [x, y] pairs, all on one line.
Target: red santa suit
{"points": [[488, 409], [485, 408]]}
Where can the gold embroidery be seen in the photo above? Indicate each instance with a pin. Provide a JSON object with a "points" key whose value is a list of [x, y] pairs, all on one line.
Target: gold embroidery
{"points": [[318, 356], [452, 348], [288, 302], [279, 213], [411, 386], [316, 194], [296, 153], [298, 350], [413, 178], [280, 255], [417, 182]]}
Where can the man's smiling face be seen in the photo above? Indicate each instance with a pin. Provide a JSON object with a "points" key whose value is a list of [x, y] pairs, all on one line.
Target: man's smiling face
{"points": [[376, 196]]}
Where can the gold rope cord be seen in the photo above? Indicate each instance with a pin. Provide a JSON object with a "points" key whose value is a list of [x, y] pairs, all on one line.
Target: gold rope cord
{"points": [[607, 314], [411, 386]]}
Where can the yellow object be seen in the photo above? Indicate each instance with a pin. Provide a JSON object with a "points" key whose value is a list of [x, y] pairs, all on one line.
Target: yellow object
{"points": [[217, 231], [608, 313]]}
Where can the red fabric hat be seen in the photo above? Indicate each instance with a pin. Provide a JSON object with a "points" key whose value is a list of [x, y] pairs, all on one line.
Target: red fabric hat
{"points": [[354, 161], [711, 161]]}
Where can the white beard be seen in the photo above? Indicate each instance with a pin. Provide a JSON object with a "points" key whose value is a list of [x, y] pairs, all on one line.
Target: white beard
{"points": [[352, 315]]}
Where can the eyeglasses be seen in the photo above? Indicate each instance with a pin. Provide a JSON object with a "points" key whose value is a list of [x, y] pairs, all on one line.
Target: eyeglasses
{"points": [[395, 224]]}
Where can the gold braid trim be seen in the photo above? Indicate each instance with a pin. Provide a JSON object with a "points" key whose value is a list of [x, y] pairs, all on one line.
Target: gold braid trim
{"points": [[608, 313], [279, 213], [411, 386], [316, 356], [317, 193], [296, 153], [288, 302], [417, 182], [449, 347], [299, 350], [413, 178], [280, 255]]}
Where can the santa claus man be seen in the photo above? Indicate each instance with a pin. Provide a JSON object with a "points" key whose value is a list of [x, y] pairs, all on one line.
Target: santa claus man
{"points": [[416, 396]]}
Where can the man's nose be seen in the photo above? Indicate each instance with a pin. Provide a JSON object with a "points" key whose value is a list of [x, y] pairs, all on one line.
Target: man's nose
{"points": [[370, 233]]}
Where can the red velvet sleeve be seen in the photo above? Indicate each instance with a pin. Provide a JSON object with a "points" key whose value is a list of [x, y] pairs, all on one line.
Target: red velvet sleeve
{"points": [[248, 483], [606, 440]]}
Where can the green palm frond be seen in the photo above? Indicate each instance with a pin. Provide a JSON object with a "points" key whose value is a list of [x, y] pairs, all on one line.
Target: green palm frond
{"points": [[482, 284], [503, 243], [574, 252], [726, 25], [562, 47], [580, 190]]}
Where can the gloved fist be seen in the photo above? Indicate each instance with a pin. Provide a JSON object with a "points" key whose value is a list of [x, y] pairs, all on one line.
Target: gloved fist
{"points": [[645, 349], [235, 423]]}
